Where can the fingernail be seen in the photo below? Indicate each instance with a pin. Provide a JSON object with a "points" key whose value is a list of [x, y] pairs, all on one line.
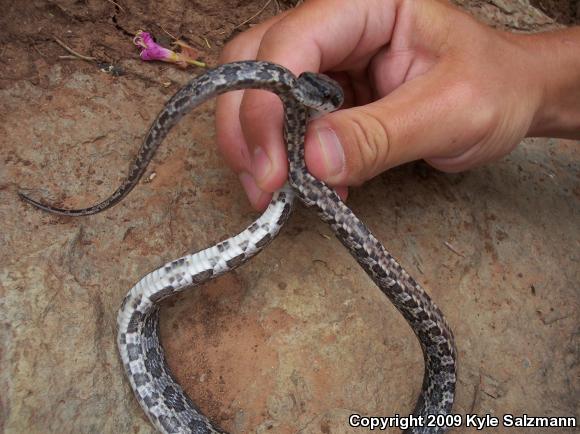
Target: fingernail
{"points": [[261, 165], [253, 192], [331, 151]]}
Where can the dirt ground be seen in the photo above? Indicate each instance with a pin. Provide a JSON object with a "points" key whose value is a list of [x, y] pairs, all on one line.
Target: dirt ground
{"points": [[299, 338]]}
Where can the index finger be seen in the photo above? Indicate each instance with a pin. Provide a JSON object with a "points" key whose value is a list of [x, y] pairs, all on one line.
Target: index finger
{"points": [[229, 135], [318, 36]]}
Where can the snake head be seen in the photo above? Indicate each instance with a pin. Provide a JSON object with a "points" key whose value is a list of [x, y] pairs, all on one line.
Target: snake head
{"points": [[318, 92]]}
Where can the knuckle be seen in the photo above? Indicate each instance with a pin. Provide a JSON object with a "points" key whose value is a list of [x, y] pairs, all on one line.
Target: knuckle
{"points": [[273, 36], [485, 114], [281, 34]]}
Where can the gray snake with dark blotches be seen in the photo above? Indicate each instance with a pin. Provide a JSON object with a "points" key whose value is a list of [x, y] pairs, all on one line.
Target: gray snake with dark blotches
{"points": [[162, 399]]}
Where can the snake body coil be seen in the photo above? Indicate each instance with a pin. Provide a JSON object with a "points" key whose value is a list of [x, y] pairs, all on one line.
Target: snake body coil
{"points": [[162, 399]]}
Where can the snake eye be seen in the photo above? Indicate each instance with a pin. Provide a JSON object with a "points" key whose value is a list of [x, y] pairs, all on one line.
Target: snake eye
{"points": [[337, 98], [320, 92]]}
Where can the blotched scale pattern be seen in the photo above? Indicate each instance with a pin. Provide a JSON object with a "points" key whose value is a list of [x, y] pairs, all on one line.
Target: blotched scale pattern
{"points": [[162, 399]]}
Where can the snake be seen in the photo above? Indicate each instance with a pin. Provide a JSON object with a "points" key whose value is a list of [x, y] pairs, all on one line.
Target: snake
{"points": [[163, 400]]}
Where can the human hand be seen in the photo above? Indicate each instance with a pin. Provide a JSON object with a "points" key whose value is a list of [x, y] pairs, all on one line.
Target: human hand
{"points": [[422, 80]]}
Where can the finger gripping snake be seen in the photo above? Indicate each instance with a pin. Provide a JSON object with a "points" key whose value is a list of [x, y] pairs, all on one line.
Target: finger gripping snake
{"points": [[162, 399]]}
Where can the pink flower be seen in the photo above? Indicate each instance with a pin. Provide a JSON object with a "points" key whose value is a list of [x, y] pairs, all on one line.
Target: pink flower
{"points": [[150, 50]]}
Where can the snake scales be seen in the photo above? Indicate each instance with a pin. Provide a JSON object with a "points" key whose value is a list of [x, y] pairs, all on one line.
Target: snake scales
{"points": [[162, 399]]}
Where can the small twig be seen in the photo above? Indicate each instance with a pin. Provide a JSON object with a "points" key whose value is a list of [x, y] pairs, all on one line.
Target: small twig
{"points": [[418, 264], [73, 52], [33, 46], [475, 399], [559, 318], [68, 57], [254, 16], [151, 177], [168, 34], [453, 249], [116, 4], [206, 42], [548, 321]]}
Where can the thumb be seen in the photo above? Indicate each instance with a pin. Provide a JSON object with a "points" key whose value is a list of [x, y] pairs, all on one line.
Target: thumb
{"points": [[347, 147], [423, 118]]}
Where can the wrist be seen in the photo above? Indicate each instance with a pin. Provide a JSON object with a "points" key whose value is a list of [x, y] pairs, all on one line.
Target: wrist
{"points": [[554, 65]]}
